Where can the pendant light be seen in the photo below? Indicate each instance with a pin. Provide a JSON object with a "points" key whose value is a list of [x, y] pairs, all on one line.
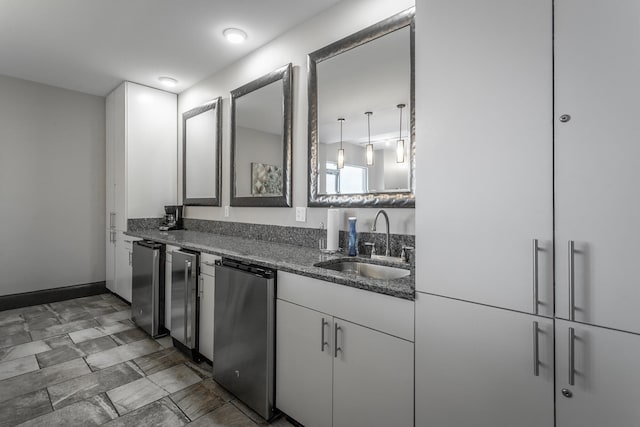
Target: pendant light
{"points": [[400, 143], [341, 150], [369, 145]]}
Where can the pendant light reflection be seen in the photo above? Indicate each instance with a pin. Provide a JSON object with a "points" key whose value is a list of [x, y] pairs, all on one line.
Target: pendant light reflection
{"points": [[341, 150], [369, 145], [400, 143]]}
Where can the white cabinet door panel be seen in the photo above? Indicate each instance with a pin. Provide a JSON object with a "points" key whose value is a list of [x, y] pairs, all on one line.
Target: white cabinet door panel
{"points": [[597, 67], [475, 366], [110, 265], [484, 175], [372, 378], [118, 122], [607, 377], [207, 298], [123, 270], [303, 364]]}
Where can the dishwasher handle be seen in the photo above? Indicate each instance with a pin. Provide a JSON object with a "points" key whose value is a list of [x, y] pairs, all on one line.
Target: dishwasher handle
{"points": [[257, 270]]}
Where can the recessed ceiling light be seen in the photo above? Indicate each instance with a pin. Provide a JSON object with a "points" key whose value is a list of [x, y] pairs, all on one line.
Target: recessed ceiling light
{"points": [[168, 81], [234, 35]]}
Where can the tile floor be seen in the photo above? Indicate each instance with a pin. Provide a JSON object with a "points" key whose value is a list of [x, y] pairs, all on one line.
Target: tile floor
{"points": [[82, 362]]}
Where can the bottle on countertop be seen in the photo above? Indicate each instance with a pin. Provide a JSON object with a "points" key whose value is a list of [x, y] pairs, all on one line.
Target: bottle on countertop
{"points": [[353, 237]]}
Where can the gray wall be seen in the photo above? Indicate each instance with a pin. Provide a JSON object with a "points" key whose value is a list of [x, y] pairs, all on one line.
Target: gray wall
{"points": [[345, 18], [52, 187]]}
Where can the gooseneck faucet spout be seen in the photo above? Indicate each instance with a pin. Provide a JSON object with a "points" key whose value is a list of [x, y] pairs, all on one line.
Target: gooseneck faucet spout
{"points": [[373, 228]]}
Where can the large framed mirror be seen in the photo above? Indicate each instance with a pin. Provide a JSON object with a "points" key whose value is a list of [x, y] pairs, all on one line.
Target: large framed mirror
{"points": [[261, 138], [361, 118], [201, 159]]}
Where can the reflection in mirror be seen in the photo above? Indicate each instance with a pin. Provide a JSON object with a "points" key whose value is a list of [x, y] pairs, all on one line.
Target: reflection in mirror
{"points": [[201, 160], [261, 141], [367, 79]]}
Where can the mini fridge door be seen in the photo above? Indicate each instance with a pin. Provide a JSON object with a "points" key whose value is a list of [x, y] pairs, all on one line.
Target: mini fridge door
{"points": [[184, 299]]}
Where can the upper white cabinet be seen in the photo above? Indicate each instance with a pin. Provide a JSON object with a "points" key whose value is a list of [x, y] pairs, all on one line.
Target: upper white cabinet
{"points": [[484, 175], [596, 160], [141, 156], [141, 153]]}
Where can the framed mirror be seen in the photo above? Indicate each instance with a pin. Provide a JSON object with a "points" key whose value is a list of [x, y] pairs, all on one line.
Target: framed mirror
{"points": [[201, 159], [361, 118], [261, 120]]}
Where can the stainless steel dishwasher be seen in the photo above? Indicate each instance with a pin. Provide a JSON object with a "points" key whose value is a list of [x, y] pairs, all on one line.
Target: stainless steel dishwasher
{"points": [[147, 287], [244, 331]]}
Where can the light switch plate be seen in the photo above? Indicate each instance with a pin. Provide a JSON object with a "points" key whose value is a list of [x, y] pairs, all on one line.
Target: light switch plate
{"points": [[301, 214], [226, 211]]}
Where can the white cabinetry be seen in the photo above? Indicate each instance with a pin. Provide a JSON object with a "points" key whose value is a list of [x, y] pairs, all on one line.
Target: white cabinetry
{"points": [[123, 264], [168, 260], [597, 67], [207, 299], [481, 366], [141, 156], [337, 362], [485, 172], [606, 377]]}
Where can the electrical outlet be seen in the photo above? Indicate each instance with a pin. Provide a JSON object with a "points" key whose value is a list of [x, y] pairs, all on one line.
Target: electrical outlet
{"points": [[226, 211], [301, 214]]}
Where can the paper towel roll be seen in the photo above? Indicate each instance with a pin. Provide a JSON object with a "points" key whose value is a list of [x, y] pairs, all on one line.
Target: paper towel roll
{"points": [[333, 229]]}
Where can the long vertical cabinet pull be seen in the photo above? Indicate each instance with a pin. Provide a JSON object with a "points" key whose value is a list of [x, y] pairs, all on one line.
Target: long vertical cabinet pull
{"points": [[322, 340], [572, 280], [572, 368], [535, 276], [336, 328], [536, 357], [187, 266]]}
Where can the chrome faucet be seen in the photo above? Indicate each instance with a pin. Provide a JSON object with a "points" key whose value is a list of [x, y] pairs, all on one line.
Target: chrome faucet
{"points": [[373, 228]]}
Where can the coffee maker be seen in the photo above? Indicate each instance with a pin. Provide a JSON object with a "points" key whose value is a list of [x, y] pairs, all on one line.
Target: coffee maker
{"points": [[172, 218]]}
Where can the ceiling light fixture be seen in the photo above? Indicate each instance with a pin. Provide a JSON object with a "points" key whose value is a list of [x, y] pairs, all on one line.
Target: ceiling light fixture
{"points": [[369, 145], [341, 150], [234, 35], [400, 143], [168, 81]]}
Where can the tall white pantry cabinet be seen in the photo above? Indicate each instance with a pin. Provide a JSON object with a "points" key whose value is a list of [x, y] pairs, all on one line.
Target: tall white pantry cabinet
{"points": [[141, 156], [528, 114]]}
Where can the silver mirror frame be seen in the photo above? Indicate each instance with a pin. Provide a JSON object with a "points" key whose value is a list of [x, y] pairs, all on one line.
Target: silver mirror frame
{"points": [[216, 105], [403, 199], [285, 74]]}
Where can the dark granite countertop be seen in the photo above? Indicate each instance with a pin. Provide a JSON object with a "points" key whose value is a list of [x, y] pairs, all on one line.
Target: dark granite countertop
{"points": [[279, 256]]}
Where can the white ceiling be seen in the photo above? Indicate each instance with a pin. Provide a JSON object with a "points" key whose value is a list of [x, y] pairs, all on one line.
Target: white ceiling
{"points": [[92, 45]]}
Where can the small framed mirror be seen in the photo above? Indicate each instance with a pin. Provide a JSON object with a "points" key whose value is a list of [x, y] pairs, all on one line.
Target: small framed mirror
{"points": [[361, 118], [261, 137], [201, 160]]}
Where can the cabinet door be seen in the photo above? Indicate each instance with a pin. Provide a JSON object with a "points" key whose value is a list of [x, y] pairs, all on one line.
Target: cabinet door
{"points": [[123, 268], [110, 265], [597, 67], [207, 298], [484, 178], [606, 377], [372, 378], [119, 157], [303, 364], [110, 160], [475, 366]]}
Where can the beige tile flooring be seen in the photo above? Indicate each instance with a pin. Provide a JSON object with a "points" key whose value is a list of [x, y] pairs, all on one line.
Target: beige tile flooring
{"points": [[82, 362]]}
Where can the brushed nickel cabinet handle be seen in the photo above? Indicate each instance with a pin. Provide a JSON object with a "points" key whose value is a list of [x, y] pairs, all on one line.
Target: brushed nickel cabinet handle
{"points": [[536, 248], [536, 357], [572, 280], [322, 340], [572, 367], [335, 339]]}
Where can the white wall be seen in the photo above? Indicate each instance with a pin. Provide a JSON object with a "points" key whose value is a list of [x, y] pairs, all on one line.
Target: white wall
{"points": [[52, 187], [340, 21]]}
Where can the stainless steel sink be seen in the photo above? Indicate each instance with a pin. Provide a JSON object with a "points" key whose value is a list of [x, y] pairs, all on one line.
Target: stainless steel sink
{"points": [[373, 271]]}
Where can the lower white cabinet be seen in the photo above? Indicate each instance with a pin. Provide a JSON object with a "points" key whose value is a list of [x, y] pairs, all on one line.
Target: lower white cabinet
{"points": [[476, 366], [123, 265], [334, 372], [606, 376], [110, 264], [207, 299]]}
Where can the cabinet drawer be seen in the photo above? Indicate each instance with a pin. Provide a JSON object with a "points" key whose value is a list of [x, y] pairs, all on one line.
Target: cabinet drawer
{"points": [[207, 264], [394, 316]]}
